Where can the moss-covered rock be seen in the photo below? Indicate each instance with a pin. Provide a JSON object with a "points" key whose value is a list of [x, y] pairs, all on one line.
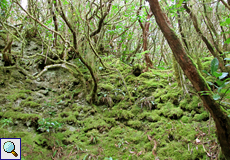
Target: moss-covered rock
{"points": [[186, 119], [134, 124], [31, 104], [201, 117]]}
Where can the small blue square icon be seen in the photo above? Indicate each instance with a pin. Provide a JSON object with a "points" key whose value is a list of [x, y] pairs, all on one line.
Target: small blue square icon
{"points": [[10, 148]]}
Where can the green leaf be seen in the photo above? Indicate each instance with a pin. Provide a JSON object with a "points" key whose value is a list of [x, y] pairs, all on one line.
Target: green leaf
{"points": [[214, 65], [204, 93], [216, 96], [85, 156], [219, 82], [66, 2], [227, 41], [180, 3], [217, 74], [224, 74], [228, 21], [54, 153]]}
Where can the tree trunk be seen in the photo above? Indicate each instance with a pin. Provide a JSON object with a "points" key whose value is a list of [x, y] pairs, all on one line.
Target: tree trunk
{"points": [[7, 56], [219, 115], [205, 40], [145, 31]]}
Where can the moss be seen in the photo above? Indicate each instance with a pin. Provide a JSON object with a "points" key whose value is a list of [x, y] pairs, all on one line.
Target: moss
{"points": [[148, 147], [31, 104], [206, 66], [207, 59], [111, 121], [16, 75], [200, 67], [131, 79], [29, 81], [174, 150], [94, 123], [116, 131], [148, 156], [147, 75], [198, 152], [158, 93], [134, 124], [136, 137], [177, 70], [154, 117], [121, 105], [76, 107], [117, 98], [25, 91], [161, 74], [170, 111], [69, 119], [136, 110], [168, 94], [201, 117], [27, 141], [143, 115], [65, 114], [186, 119], [183, 103], [18, 109], [121, 114], [65, 95], [106, 87], [193, 105], [20, 116], [184, 132], [30, 98], [151, 85], [16, 95]]}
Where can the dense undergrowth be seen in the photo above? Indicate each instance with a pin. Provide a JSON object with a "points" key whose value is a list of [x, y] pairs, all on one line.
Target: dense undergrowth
{"points": [[160, 121]]}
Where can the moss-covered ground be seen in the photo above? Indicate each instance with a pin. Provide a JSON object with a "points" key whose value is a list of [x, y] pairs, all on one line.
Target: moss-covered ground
{"points": [[160, 121]]}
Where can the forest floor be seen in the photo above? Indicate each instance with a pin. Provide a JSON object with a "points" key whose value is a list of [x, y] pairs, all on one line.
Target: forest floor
{"points": [[54, 121]]}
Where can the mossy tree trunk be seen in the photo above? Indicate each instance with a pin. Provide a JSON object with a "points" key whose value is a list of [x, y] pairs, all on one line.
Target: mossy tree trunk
{"points": [[7, 58], [219, 115]]}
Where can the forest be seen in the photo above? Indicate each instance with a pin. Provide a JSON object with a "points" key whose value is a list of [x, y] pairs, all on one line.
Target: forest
{"points": [[115, 79]]}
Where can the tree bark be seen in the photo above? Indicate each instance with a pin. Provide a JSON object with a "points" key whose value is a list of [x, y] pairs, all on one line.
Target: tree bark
{"points": [[54, 21], [219, 115], [145, 32]]}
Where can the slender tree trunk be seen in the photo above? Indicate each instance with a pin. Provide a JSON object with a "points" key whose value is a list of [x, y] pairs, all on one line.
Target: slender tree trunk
{"points": [[205, 40], [145, 32], [181, 30], [217, 112], [54, 21], [7, 56]]}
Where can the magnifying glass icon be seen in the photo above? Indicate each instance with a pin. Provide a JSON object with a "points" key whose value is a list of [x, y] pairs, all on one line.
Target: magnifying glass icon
{"points": [[9, 147]]}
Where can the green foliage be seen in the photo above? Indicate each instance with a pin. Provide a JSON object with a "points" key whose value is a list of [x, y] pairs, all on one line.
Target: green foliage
{"points": [[226, 23], [4, 4], [51, 105], [6, 122], [47, 124], [214, 65], [220, 82]]}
